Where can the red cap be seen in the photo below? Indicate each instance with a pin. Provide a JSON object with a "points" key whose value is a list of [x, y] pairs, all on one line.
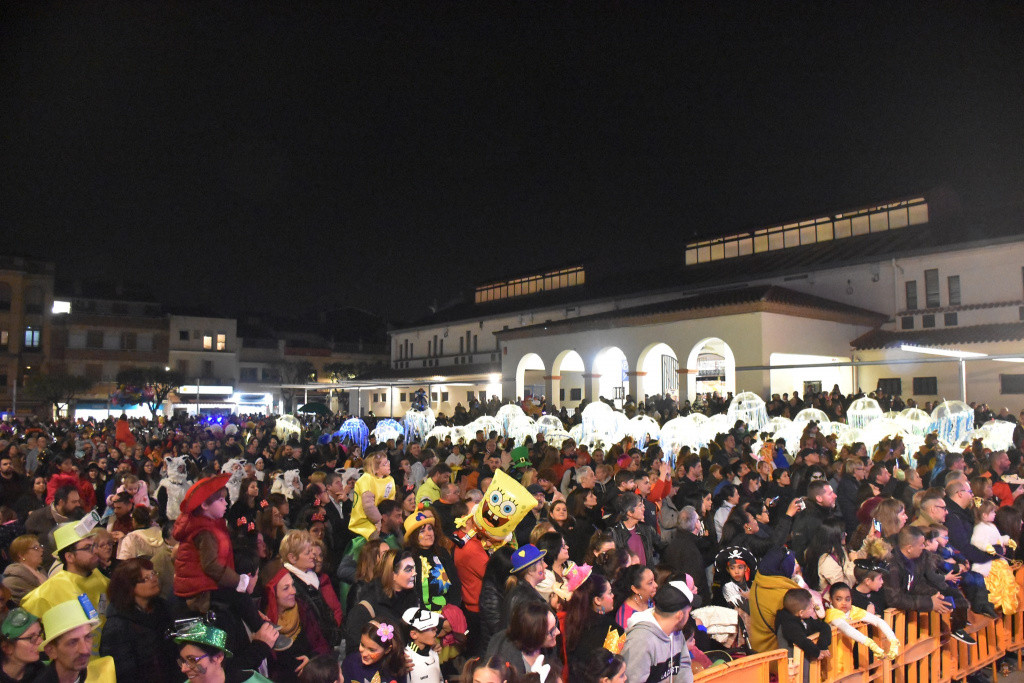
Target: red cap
{"points": [[201, 490]]}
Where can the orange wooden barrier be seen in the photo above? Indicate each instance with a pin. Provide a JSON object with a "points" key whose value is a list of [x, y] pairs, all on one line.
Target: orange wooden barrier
{"points": [[927, 652], [752, 669]]}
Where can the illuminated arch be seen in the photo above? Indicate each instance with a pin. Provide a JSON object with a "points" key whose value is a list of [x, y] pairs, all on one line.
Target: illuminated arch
{"points": [[710, 348], [658, 363], [611, 364], [529, 373]]}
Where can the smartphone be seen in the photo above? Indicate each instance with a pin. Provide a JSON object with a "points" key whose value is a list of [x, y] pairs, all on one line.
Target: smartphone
{"points": [[878, 526]]}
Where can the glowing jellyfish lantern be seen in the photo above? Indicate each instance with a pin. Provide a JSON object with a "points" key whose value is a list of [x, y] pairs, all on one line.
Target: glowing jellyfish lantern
{"points": [[484, 423], [576, 434], [356, 431], [999, 434], [522, 428], [459, 435], [506, 415], [863, 411], [643, 429], [597, 419], [777, 424], [418, 423], [547, 422], [952, 420], [916, 421], [811, 415], [388, 429], [287, 426], [877, 430], [715, 425], [676, 433], [556, 437], [750, 408], [440, 433]]}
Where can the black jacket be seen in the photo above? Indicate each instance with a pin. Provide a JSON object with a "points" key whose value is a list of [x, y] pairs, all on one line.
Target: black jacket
{"points": [[960, 523], [905, 587], [808, 522], [492, 599], [650, 540], [689, 553], [795, 631], [380, 607], [136, 640], [846, 501]]}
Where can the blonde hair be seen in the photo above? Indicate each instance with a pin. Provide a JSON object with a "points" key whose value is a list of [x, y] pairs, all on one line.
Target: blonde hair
{"points": [[982, 507], [371, 463], [294, 543], [21, 545]]}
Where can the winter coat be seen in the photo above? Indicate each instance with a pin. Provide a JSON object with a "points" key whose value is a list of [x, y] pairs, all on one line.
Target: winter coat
{"points": [[19, 579], [766, 595], [137, 641]]}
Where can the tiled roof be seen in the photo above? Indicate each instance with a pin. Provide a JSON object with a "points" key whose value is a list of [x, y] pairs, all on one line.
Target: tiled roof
{"points": [[946, 336], [760, 297]]}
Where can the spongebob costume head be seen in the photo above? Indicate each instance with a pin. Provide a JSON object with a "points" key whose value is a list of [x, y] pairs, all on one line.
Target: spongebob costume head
{"points": [[493, 520]]}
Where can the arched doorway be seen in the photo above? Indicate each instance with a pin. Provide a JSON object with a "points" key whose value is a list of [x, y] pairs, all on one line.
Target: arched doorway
{"points": [[568, 389], [530, 376], [660, 371], [710, 367], [611, 364]]}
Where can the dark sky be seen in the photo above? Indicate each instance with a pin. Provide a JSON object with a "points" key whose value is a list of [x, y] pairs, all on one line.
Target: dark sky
{"points": [[296, 155]]}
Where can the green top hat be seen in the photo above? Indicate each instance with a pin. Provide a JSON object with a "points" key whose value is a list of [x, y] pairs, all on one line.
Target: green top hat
{"points": [[202, 633], [520, 457]]}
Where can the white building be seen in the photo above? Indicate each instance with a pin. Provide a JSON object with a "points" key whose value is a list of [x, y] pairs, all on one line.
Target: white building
{"points": [[205, 350], [835, 299]]}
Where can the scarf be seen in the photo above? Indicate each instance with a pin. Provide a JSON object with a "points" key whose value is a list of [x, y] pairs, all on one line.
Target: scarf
{"points": [[309, 578], [289, 622]]}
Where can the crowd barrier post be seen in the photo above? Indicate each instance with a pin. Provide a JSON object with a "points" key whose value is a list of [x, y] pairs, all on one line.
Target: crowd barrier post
{"points": [[753, 669]]}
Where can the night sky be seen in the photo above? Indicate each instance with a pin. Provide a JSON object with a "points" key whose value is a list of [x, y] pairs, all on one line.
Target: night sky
{"points": [[292, 156]]}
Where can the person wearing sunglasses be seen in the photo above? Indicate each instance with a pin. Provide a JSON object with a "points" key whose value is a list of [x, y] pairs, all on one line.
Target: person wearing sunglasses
{"points": [[201, 654], [20, 636]]}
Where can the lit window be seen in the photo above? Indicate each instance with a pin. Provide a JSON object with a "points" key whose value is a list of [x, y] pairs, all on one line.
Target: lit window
{"points": [[33, 337], [60, 307], [207, 342], [222, 342]]}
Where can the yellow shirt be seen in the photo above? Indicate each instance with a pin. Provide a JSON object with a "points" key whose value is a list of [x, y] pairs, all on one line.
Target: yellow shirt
{"points": [[382, 489], [856, 614], [64, 586], [428, 491]]}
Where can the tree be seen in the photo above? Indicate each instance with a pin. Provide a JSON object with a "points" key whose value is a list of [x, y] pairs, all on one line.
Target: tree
{"points": [[340, 372], [57, 389], [149, 386]]}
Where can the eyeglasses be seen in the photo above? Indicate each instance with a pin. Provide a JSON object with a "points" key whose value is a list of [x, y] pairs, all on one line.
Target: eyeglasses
{"points": [[553, 631], [86, 548], [190, 661], [33, 638], [152, 576], [36, 547]]}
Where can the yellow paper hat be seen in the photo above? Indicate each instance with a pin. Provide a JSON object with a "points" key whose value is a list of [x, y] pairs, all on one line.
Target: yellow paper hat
{"points": [[70, 533], [67, 616]]}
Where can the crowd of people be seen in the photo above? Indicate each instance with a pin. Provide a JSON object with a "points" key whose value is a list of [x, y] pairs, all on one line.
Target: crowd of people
{"points": [[227, 550]]}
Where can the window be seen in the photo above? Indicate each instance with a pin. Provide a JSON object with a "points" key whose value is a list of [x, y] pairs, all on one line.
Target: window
{"points": [[461, 344], [928, 320], [931, 288], [891, 385], [222, 342], [953, 285], [33, 300], [401, 398], [129, 341], [269, 375], [470, 395], [926, 386], [949, 319], [208, 368], [208, 342], [4, 340], [576, 394], [907, 322], [94, 339], [33, 337], [474, 343], [482, 395], [1011, 384], [911, 295], [444, 397], [3, 384], [182, 335], [561, 395], [433, 397], [5, 296], [248, 374]]}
